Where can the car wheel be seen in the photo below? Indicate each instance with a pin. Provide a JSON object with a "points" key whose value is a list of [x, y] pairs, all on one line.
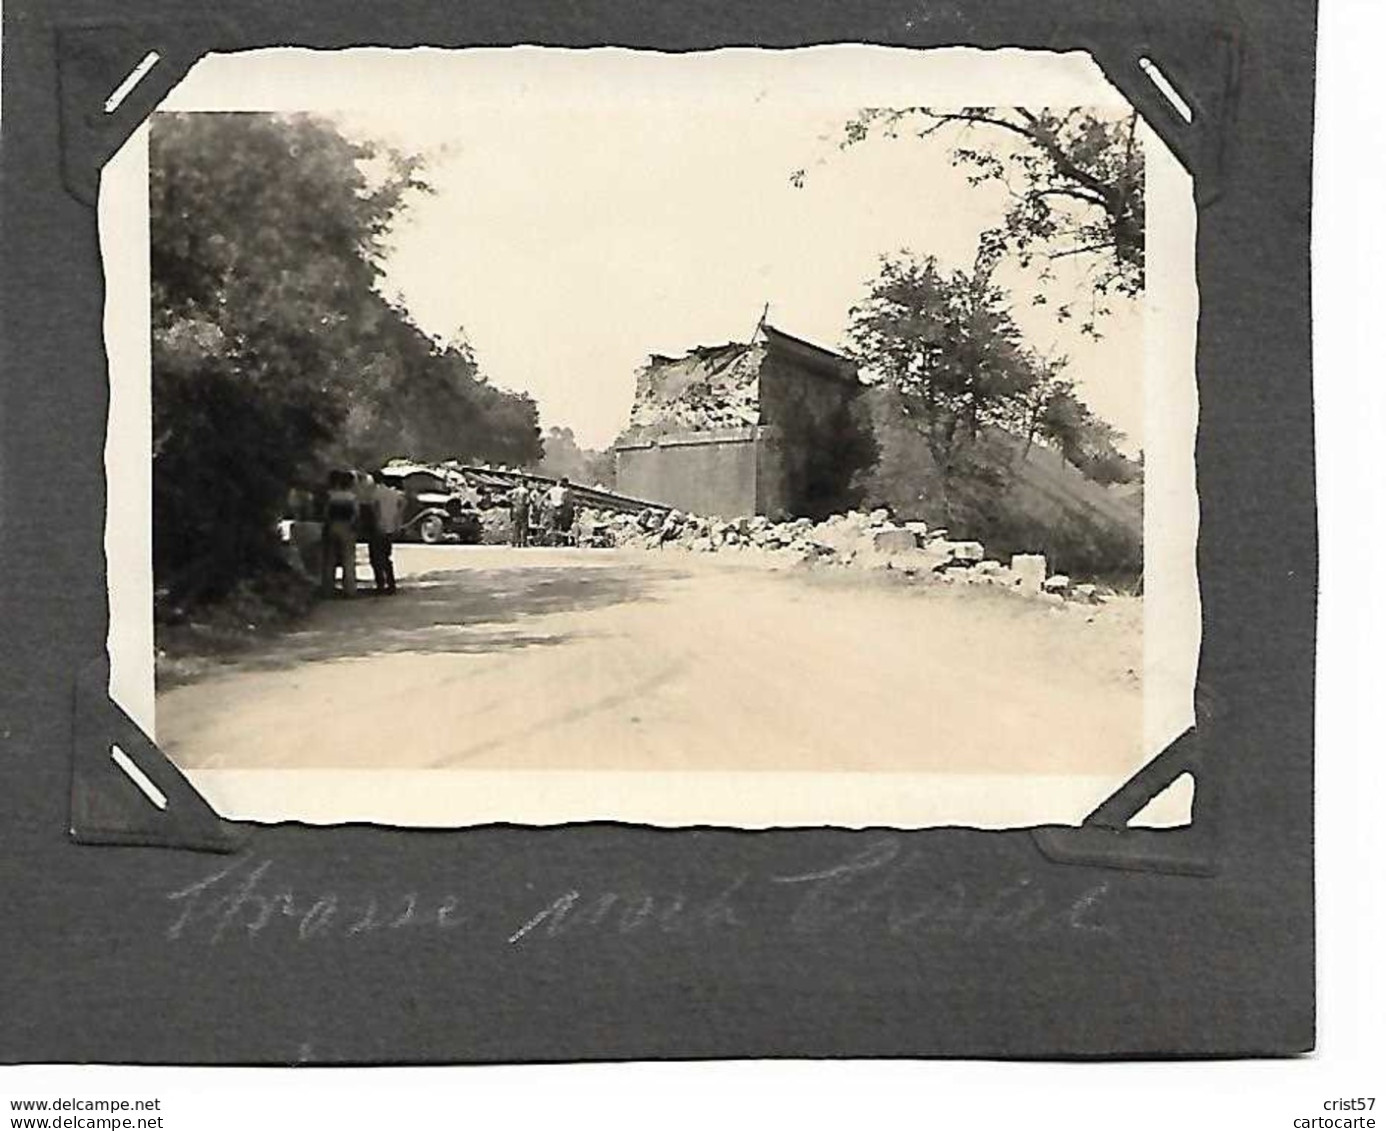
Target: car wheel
{"points": [[431, 530]]}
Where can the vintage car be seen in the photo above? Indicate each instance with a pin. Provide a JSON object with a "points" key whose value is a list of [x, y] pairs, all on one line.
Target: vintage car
{"points": [[435, 510]]}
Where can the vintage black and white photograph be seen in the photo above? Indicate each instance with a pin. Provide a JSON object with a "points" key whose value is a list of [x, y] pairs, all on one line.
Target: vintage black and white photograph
{"points": [[747, 438]]}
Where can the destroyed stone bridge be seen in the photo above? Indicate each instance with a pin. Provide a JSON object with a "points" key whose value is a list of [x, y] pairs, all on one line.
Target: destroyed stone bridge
{"points": [[742, 429]]}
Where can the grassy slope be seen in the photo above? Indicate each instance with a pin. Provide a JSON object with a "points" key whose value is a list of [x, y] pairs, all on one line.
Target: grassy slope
{"points": [[1040, 503], [1081, 525]]}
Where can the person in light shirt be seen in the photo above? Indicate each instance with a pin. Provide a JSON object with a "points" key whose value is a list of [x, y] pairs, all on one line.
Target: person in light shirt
{"points": [[387, 505], [561, 509]]}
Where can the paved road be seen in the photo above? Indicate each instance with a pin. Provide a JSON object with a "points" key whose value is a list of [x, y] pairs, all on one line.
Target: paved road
{"points": [[492, 658]]}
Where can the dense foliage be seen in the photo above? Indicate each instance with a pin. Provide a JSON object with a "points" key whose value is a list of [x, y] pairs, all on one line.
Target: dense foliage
{"points": [[946, 341], [274, 354], [947, 344], [563, 455]]}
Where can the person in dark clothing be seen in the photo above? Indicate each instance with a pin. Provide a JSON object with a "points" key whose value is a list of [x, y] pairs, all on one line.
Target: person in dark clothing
{"points": [[539, 516], [368, 530], [564, 510], [339, 534], [518, 498]]}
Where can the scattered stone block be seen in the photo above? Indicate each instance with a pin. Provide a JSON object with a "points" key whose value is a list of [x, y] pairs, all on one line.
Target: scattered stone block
{"points": [[957, 554], [1029, 571], [913, 562], [894, 540], [1056, 584], [841, 536]]}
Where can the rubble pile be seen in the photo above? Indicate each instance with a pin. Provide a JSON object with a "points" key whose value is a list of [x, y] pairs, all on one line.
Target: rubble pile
{"points": [[853, 540], [495, 526], [713, 387]]}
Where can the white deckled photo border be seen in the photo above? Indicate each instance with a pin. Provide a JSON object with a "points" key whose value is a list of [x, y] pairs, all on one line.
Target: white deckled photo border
{"points": [[264, 80]]}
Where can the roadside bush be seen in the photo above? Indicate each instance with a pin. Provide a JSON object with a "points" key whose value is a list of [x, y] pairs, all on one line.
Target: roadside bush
{"points": [[274, 354]]}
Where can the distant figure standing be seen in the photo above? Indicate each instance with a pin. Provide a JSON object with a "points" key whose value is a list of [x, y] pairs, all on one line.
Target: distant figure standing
{"points": [[339, 534], [539, 517], [561, 509], [367, 520], [381, 509], [518, 498], [390, 512]]}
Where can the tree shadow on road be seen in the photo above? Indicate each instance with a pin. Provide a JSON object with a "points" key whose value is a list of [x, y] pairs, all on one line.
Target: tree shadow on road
{"points": [[470, 611]]}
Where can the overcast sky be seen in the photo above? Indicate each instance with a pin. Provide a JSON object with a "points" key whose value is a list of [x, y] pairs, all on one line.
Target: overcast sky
{"points": [[571, 244], [595, 207]]}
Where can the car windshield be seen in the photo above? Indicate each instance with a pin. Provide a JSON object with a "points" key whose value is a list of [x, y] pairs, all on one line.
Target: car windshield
{"points": [[422, 483]]}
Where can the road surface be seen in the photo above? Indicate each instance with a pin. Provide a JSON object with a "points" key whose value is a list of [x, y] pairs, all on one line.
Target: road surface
{"points": [[541, 659]]}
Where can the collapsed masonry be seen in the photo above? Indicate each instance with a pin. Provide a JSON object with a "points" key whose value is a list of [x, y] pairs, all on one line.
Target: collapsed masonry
{"points": [[741, 429], [852, 540]]}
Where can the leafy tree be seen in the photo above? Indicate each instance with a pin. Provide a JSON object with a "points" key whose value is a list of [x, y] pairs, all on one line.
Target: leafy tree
{"points": [[1050, 410], [273, 351], [563, 455], [957, 401], [1076, 180], [601, 467], [1062, 422], [426, 401], [1110, 467], [1034, 403], [947, 342], [1086, 441]]}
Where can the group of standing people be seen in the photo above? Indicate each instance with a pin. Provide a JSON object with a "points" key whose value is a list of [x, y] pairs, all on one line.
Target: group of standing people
{"points": [[538, 515], [358, 509]]}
